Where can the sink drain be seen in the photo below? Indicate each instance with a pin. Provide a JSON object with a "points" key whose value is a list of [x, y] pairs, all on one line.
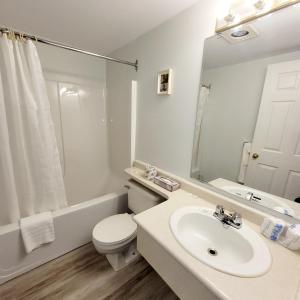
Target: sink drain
{"points": [[212, 251]]}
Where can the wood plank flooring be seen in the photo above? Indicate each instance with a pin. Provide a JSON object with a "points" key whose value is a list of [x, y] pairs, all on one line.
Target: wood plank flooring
{"points": [[85, 274]]}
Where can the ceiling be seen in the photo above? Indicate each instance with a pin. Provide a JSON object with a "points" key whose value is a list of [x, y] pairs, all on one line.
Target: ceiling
{"points": [[277, 33], [101, 26]]}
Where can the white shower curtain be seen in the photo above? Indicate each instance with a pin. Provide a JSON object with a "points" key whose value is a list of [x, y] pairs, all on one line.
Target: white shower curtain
{"points": [[31, 179], [203, 97]]}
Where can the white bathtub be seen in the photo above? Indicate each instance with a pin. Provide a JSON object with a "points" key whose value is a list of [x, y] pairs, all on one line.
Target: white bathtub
{"points": [[73, 228]]}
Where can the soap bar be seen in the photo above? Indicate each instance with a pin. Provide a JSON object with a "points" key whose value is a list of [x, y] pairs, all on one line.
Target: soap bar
{"points": [[167, 183]]}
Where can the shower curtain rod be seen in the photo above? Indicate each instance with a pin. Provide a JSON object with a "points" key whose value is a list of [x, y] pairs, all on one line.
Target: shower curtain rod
{"points": [[59, 45]]}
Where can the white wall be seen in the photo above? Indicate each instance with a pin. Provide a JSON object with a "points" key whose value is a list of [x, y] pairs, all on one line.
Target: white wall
{"points": [[230, 114], [165, 124], [119, 79], [71, 63]]}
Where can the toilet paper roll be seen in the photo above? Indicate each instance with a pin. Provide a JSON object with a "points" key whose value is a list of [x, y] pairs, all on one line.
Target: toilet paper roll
{"points": [[291, 239]]}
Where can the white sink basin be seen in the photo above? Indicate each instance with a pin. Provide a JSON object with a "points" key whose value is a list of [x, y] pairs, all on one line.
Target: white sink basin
{"points": [[240, 252]]}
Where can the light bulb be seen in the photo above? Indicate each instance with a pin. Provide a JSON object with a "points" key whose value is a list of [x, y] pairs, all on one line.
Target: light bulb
{"points": [[263, 5], [259, 5], [224, 9]]}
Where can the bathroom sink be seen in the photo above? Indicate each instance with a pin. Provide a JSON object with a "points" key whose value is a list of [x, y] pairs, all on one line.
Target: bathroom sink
{"points": [[240, 252]]}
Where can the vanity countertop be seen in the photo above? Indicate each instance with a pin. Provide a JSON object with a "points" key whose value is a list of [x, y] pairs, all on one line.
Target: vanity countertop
{"points": [[282, 281]]}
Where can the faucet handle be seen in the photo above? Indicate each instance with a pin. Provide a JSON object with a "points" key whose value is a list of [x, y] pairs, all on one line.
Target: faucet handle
{"points": [[249, 196], [236, 218], [219, 210]]}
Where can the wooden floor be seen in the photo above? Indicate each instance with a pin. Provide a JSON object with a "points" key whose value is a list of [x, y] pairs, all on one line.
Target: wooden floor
{"points": [[84, 274]]}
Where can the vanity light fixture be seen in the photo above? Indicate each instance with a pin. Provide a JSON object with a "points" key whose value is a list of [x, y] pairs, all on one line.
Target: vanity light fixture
{"points": [[236, 12]]}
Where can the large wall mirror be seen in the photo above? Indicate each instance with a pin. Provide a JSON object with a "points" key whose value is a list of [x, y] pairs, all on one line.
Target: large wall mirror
{"points": [[247, 134]]}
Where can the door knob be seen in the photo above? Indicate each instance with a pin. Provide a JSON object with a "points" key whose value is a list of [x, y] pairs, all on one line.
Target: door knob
{"points": [[255, 156]]}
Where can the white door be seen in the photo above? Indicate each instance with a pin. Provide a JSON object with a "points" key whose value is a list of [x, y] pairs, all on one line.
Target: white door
{"points": [[274, 164]]}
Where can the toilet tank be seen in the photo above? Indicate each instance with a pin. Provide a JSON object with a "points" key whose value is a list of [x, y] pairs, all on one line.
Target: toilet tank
{"points": [[141, 198]]}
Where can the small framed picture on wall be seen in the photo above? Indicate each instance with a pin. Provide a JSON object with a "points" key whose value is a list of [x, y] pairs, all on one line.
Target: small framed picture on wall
{"points": [[164, 82]]}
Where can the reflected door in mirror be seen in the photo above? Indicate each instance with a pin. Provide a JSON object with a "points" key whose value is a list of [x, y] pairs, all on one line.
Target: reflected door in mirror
{"points": [[274, 166]]}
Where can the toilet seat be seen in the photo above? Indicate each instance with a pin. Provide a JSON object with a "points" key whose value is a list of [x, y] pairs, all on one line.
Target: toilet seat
{"points": [[115, 230]]}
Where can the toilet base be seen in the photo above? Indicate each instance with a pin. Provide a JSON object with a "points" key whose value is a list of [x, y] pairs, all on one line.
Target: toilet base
{"points": [[121, 259]]}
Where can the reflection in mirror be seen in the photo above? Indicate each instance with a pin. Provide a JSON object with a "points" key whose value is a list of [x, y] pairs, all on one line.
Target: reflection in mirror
{"points": [[247, 133]]}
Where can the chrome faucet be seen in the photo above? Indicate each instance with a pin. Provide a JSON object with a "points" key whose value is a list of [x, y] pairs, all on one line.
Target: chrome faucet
{"points": [[251, 197], [233, 219]]}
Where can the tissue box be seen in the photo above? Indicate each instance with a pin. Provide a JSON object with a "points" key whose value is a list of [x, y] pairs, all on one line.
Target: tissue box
{"points": [[167, 183]]}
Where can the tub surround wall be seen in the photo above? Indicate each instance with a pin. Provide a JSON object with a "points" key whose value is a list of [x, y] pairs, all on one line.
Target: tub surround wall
{"points": [[78, 109], [156, 243], [77, 89]]}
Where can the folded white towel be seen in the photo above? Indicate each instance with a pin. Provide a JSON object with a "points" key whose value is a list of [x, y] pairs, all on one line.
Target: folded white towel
{"points": [[272, 228], [37, 230], [291, 239]]}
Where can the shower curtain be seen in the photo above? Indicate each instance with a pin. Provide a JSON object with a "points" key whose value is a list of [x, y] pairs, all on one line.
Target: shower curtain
{"points": [[203, 97], [31, 179]]}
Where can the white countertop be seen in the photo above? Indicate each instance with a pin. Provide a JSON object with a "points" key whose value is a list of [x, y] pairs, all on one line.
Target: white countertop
{"points": [[282, 280]]}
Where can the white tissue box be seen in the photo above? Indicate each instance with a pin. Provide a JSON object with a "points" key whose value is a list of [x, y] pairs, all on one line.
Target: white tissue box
{"points": [[167, 183]]}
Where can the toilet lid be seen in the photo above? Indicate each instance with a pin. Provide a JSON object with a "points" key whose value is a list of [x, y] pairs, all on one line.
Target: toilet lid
{"points": [[115, 229]]}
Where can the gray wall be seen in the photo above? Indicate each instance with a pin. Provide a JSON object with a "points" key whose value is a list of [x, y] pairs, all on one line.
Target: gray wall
{"points": [[165, 124], [119, 79], [230, 114]]}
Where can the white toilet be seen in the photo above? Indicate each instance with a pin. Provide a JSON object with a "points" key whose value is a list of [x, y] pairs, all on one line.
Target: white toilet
{"points": [[115, 236]]}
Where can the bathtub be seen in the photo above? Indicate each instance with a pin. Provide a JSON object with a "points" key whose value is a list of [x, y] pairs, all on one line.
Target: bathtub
{"points": [[73, 228]]}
